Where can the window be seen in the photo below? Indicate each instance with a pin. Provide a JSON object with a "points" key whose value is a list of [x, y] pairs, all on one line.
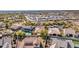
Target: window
{"points": [[54, 34], [70, 35]]}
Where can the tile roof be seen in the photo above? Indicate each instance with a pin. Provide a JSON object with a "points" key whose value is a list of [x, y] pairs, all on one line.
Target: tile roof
{"points": [[69, 31], [53, 31]]}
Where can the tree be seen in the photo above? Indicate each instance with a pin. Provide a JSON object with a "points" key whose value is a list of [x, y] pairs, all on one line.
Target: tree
{"points": [[8, 23], [44, 34], [33, 23], [46, 24], [20, 35]]}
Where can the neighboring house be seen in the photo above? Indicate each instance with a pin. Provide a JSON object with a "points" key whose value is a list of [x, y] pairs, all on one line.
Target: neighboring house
{"points": [[69, 32], [18, 19], [29, 42], [7, 39], [2, 25], [16, 27], [42, 19], [57, 43], [52, 31], [10, 18], [1, 17], [77, 35], [53, 45], [6, 32], [7, 45], [76, 21], [38, 29], [27, 29]]}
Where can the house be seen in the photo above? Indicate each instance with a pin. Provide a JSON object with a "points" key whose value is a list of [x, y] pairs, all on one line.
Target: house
{"points": [[69, 32], [7, 45], [32, 40], [58, 43], [9, 18], [6, 32], [16, 27], [77, 35], [29, 42], [1, 18], [7, 39], [53, 31], [16, 18], [2, 25], [27, 29], [38, 29], [53, 45]]}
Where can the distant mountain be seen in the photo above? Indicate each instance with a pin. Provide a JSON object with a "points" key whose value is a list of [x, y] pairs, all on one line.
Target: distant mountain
{"points": [[39, 11], [67, 13]]}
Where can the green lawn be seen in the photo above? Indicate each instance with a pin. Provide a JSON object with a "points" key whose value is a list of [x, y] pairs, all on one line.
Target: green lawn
{"points": [[76, 42]]}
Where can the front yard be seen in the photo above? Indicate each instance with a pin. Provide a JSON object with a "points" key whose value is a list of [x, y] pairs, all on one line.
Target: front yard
{"points": [[76, 43]]}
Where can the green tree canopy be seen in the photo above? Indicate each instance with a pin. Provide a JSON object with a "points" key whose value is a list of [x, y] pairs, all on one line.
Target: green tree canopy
{"points": [[44, 34], [20, 34]]}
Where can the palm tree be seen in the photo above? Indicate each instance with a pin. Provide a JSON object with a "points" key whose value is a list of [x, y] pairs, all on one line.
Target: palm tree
{"points": [[44, 35]]}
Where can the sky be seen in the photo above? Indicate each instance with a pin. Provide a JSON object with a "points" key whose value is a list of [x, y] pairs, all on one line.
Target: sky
{"points": [[38, 4]]}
